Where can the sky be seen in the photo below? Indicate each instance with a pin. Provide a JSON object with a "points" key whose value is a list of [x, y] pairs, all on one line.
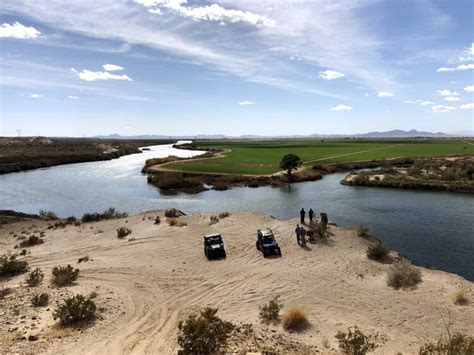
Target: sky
{"points": [[177, 67]]}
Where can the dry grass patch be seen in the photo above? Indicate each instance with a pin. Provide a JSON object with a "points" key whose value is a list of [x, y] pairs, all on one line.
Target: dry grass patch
{"points": [[460, 297], [270, 313], [403, 275], [377, 251], [295, 319], [64, 275]]}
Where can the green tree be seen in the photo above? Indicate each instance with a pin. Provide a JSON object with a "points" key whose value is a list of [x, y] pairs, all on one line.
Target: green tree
{"points": [[289, 163]]}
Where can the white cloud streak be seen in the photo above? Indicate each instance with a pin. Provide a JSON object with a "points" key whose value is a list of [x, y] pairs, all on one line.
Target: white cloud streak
{"points": [[442, 108], [88, 75], [458, 68], [384, 94], [467, 54], [112, 67], [469, 88], [451, 98], [341, 107], [330, 74], [469, 106], [19, 31], [447, 92], [245, 103]]}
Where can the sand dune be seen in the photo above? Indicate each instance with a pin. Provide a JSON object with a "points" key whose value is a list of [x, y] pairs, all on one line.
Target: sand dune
{"points": [[145, 286]]}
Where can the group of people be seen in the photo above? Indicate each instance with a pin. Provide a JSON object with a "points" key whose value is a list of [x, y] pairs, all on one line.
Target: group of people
{"points": [[300, 230]]}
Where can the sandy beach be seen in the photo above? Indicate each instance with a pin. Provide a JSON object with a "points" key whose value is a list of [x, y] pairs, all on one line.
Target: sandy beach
{"points": [[158, 275]]}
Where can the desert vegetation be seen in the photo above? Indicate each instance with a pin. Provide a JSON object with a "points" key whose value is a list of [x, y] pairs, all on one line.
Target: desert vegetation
{"points": [[74, 310], [11, 266], [460, 296], [270, 312], [403, 275], [40, 300], [31, 241], [204, 332], [122, 232], [377, 251], [450, 344], [35, 277], [110, 213], [355, 342], [295, 319], [64, 275]]}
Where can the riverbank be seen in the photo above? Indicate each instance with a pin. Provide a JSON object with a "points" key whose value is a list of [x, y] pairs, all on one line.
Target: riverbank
{"points": [[147, 282], [27, 153], [453, 174]]}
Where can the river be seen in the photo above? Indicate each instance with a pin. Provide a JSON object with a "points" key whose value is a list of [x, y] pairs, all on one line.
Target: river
{"points": [[431, 228]]}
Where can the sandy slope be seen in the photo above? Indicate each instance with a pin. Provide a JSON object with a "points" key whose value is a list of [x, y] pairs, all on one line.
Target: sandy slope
{"points": [[146, 285]]}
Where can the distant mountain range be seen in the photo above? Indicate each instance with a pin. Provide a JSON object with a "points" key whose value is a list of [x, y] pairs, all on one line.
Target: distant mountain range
{"points": [[397, 133]]}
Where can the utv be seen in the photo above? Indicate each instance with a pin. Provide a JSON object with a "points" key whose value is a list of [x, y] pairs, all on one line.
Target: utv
{"points": [[214, 246], [266, 242]]}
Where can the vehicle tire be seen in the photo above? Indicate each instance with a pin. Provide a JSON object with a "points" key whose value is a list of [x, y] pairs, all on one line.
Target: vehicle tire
{"points": [[224, 255], [279, 251], [256, 244]]}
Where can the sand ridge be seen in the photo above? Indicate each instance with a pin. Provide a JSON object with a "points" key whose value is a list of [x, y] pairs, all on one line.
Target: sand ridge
{"points": [[159, 274]]}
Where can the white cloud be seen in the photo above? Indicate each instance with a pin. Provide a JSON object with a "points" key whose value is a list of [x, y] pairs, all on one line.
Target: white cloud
{"points": [[245, 103], [213, 12], [17, 30], [451, 98], [341, 108], [89, 75], [442, 108], [409, 102], [330, 74], [467, 54], [36, 96], [469, 106], [112, 67], [366, 94], [426, 103], [384, 94], [72, 97], [469, 88], [447, 92], [458, 68]]}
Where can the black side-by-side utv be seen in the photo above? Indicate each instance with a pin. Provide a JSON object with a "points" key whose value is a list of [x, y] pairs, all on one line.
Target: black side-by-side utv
{"points": [[214, 246], [266, 242]]}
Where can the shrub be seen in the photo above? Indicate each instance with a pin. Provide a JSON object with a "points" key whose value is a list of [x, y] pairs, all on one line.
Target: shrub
{"points": [[270, 313], [223, 215], [110, 213], [204, 332], [377, 251], [295, 319], [40, 300], [122, 232], [403, 274], [172, 221], [214, 219], [355, 342], [157, 220], [31, 241], [363, 231], [74, 310], [35, 277], [456, 344], [64, 275], [48, 215], [173, 213], [10, 266], [83, 259], [460, 296], [23, 252]]}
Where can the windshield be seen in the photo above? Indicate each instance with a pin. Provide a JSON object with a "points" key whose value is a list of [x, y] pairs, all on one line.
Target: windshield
{"points": [[268, 240], [214, 240]]}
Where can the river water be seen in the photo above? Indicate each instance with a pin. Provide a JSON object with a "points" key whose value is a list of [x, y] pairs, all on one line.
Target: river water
{"points": [[431, 228]]}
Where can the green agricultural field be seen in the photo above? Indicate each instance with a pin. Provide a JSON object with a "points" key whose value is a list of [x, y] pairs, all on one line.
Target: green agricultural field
{"points": [[263, 157]]}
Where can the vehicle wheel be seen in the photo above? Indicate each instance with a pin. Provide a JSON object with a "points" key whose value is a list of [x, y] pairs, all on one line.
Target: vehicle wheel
{"points": [[256, 244], [224, 254], [264, 253], [279, 251]]}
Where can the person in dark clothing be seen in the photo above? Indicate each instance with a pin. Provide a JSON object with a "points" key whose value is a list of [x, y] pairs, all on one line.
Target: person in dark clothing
{"points": [[298, 232], [302, 215], [311, 215]]}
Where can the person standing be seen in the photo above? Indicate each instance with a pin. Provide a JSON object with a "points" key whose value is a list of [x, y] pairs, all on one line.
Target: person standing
{"points": [[303, 237], [311, 215], [302, 215], [298, 232]]}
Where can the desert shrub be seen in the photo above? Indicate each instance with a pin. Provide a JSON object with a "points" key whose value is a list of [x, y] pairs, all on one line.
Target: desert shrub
{"points": [[460, 296], [23, 252], [223, 215], [362, 231], [74, 310], [214, 219], [11, 266], [31, 241], [122, 232], [48, 215], [172, 221], [403, 274], [295, 319], [64, 275], [315, 229], [35, 277], [376, 251], [157, 220], [174, 213], [110, 213], [355, 342], [270, 313], [40, 300], [83, 259], [204, 333], [455, 344]]}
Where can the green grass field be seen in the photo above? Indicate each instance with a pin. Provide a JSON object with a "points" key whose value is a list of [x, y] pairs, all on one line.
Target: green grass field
{"points": [[263, 157]]}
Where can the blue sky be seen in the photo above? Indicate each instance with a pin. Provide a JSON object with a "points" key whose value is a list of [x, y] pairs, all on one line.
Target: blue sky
{"points": [[72, 68]]}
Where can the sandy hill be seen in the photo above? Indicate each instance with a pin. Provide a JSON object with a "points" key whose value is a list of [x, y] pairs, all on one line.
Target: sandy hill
{"points": [[156, 276]]}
